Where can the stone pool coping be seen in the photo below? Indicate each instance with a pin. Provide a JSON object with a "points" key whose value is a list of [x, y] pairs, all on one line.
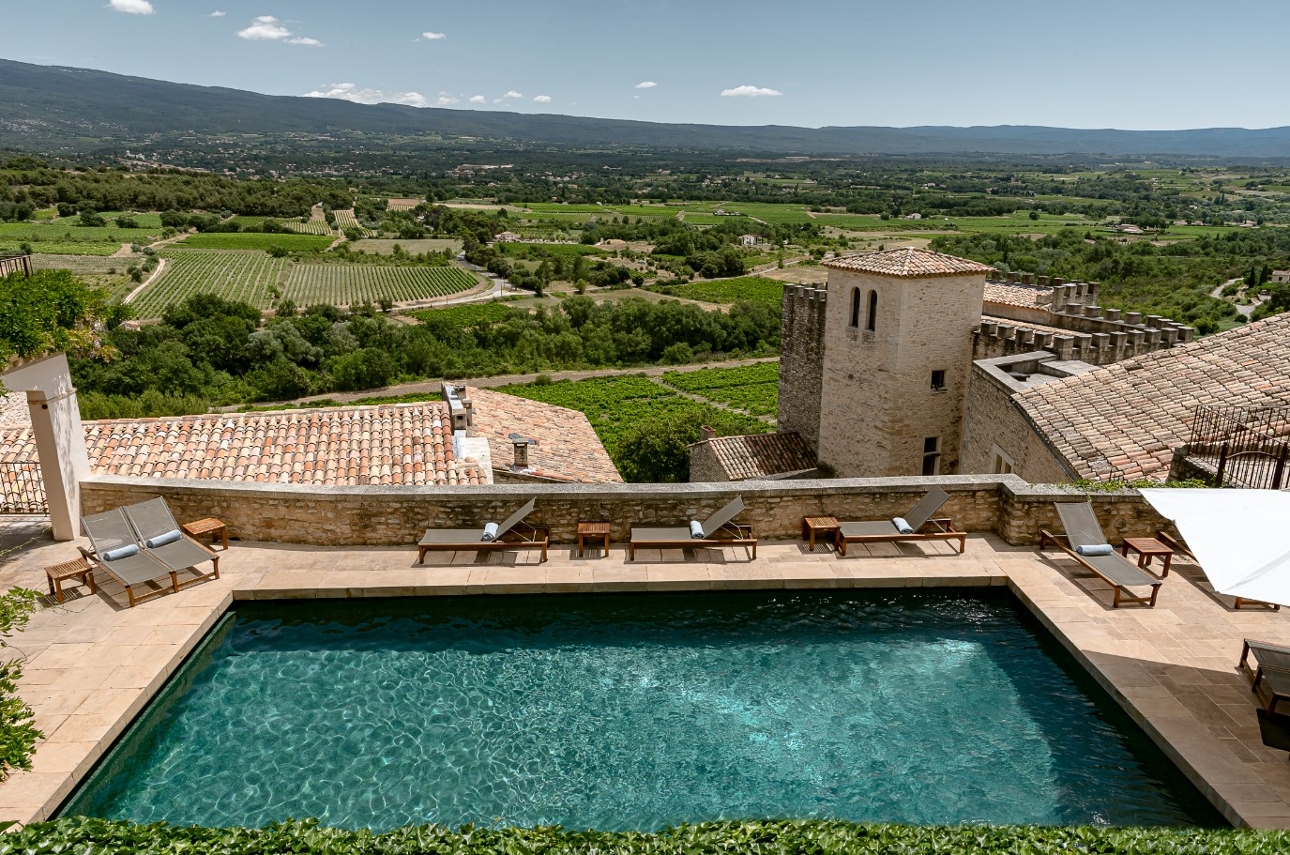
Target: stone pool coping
{"points": [[93, 665]]}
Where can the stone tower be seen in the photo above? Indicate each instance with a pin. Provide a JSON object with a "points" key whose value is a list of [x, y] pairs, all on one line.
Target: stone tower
{"points": [[897, 356]]}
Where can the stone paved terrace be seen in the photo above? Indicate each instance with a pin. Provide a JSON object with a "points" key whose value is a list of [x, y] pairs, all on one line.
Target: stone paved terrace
{"points": [[93, 664]]}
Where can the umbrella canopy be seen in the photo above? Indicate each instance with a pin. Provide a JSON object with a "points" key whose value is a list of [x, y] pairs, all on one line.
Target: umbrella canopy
{"points": [[1241, 538]]}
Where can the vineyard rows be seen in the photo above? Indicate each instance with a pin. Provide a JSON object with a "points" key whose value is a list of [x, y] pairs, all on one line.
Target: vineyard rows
{"points": [[244, 276], [345, 285], [313, 227], [252, 277]]}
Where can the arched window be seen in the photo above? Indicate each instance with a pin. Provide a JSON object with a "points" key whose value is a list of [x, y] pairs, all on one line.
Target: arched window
{"points": [[871, 319], [855, 307]]}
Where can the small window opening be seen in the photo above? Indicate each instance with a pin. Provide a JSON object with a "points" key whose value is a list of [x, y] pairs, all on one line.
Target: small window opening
{"points": [[932, 455], [855, 307], [938, 381], [871, 320]]}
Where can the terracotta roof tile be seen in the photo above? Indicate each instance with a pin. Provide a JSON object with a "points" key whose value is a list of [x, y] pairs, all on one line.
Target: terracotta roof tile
{"points": [[1130, 416], [1018, 295], [564, 446], [352, 446], [909, 262], [761, 455]]}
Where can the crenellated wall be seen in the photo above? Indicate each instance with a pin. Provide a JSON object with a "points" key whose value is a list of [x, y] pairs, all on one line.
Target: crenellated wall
{"points": [[801, 362], [396, 516]]}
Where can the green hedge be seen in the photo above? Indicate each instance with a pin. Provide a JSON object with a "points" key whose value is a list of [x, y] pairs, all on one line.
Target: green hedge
{"points": [[813, 837]]}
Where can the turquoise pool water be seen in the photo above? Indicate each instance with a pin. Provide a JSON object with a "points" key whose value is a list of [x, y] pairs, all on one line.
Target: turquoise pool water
{"points": [[635, 712]]}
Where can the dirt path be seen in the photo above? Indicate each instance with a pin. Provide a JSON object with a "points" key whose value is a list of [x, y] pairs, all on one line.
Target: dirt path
{"points": [[161, 268], [425, 386], [123, 252]]}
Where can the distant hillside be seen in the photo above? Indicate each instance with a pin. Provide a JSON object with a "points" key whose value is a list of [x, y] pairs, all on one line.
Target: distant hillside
{"points": [[49, 108]]}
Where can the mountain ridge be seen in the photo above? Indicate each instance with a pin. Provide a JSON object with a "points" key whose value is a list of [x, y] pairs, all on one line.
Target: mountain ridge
{"points": [[75, 109]]}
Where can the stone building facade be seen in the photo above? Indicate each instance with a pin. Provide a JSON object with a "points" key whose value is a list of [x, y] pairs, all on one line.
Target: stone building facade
{"points": [[892, 358]]}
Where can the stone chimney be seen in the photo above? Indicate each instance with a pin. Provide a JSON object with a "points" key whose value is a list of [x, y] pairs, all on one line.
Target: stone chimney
{"points": [[521, 453], [706, 433]]}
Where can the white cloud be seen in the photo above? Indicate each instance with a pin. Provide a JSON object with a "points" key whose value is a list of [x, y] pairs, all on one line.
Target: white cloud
{"points": [[750, 92], [433, 37], [267, 28], [352, 92], [512, 94], [217, 14], [646, 84], [477, 99], [131, 7], [264, 29], [543, 99]]}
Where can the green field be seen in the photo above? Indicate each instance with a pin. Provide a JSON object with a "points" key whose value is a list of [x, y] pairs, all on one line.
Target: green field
{"points": [[411, 247], [97, 271], [247, 240], [565, 249], [458, 317], [313, 227], [244, 276], [352, 284], [253, 277], [728, 291], [61, 247], [751, 388], [616, 406], [65, 238]]}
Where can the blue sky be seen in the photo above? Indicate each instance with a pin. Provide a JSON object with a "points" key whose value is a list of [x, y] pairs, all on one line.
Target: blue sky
{"points": [[1091, 64]]}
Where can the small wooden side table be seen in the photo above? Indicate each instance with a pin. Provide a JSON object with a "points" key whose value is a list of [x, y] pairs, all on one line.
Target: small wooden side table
{"points": [[77, 568], [1148, 548], [592, 530], [812, 526], [209, 526]]}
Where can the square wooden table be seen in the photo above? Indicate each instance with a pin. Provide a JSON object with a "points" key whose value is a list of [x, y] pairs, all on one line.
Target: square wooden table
{"points": [[592, 530], [812, 526], [77, 568], [209, 526], [1148, 548]]}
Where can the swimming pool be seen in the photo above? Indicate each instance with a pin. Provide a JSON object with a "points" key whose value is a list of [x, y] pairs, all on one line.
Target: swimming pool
{"points": [[636, 712]]}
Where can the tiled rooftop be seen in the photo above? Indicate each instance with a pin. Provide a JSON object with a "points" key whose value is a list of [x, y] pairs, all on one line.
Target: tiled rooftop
{"points": [[761, 455], [563, 446], [1018, 295], [908, 262], [1125, 419], [393, 444]]}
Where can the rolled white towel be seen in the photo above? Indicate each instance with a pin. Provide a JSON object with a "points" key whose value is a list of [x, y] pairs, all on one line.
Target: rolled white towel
{"points": [[490, 533], [696, 530], [902, 526], [1095, 549]]}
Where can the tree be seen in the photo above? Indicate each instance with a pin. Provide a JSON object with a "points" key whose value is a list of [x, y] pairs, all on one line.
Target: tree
{"points": [[18, 735], [659, 451]]}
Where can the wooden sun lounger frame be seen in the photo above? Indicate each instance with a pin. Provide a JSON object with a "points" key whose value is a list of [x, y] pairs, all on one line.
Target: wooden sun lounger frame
{"points": [[514, 534], [98, 564], [944, 529], [1122, 593], [727, 534], [1259, 674]]}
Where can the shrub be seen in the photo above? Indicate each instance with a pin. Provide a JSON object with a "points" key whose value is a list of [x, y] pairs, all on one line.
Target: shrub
{"points": [[17, 733]]}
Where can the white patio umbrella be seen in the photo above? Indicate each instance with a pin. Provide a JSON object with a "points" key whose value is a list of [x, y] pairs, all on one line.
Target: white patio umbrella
{"points": [[1241, 538]]}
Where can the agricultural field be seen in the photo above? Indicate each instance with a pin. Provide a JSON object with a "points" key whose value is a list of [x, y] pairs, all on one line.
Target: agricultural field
{"points": [[616, 406], [65, 230], [347, 220], [97, 271], [459, 317], [351, 284], [411, 247], [60, 247], [245, 276], [729, 291], [313, 227], [252, 240], [150, 221], [751, 388], [568, 250]]}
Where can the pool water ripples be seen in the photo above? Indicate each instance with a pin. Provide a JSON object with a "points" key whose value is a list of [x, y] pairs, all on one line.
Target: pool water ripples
{"points": [[635, 712]]}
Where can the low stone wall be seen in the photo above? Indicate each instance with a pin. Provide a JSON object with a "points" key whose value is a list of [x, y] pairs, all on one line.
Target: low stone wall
{"points": [[389, 516]]}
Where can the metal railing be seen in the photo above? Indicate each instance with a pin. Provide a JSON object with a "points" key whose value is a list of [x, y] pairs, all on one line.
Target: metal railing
{"points": [[1247, 448], [22, 489]]}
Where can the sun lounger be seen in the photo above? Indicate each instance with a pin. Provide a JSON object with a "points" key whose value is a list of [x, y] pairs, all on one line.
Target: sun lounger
{"points": [[112, 537], [162, 538], [717, 531], [1082, 530], [918, 518], [511, 535], [1272, 671]]}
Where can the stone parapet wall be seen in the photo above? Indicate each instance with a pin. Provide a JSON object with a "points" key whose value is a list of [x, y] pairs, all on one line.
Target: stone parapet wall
{"points": [[396, 516]]}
